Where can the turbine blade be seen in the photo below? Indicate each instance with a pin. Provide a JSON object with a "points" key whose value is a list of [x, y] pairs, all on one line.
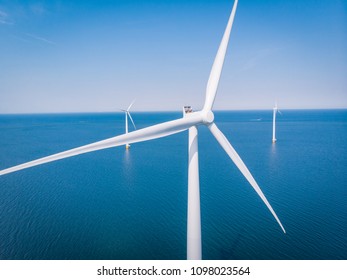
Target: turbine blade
{"points": [[131, 105], [223, 141], [217, 67], [131, 119], [152, 132]]}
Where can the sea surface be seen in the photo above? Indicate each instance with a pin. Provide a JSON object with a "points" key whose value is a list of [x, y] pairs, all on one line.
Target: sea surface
{"points": [[118, 204]]}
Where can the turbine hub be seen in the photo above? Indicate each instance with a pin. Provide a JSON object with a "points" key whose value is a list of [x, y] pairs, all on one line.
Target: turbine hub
{"points": [[207, 117]]}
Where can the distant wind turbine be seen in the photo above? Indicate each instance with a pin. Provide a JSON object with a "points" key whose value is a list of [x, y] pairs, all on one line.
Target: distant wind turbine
{"points": [[127, 114], [275, 110], [191, 121]]}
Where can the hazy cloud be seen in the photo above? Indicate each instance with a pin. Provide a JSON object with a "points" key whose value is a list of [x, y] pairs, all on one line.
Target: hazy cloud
{"points": [[38, 9], [258, 57], [4, 18], [44, 40]]}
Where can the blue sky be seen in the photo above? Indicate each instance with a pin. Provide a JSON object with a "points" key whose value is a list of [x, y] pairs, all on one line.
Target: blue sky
{"points": [[97, 56]]}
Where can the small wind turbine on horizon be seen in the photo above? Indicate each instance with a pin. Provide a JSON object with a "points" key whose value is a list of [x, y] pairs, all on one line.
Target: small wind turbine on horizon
{"points": [[127, 114], [190, 121], [275, 110]]}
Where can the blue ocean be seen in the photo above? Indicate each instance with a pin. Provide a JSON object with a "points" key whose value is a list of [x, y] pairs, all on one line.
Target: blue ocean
{"points": [[132, 204]]}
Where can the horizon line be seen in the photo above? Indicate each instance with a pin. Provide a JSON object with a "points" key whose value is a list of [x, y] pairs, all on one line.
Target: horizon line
{"points": [[168, 111]]}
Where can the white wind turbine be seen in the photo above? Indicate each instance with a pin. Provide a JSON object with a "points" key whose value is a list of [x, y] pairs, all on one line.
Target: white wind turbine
{"points": [[275, 110], [190, 121], [127, 114]]}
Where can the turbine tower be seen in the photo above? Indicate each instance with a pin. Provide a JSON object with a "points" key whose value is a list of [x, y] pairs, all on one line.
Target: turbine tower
{"points": [[190, 121], [274, 123], [275, 110], [127, 114]]}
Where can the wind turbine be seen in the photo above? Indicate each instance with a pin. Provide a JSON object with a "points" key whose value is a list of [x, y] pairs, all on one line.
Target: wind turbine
{"points": [[191, 121], [127, 114], [275, 110]]}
